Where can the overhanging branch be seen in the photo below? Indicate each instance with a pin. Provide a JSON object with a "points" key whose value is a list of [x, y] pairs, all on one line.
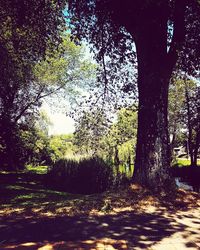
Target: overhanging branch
{"points": [[178, 34]]}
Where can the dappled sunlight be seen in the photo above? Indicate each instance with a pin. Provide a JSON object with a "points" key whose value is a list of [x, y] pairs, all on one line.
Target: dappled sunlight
{"points": [[33, 217], [119, 230], [105, 243], [128, 75]]}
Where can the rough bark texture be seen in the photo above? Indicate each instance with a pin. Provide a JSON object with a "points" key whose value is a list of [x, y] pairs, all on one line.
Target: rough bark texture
{"points": [[153, 151], [153, 147]]}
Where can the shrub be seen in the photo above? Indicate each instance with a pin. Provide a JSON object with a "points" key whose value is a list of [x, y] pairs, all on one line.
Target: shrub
{"points": [[84, 176]]}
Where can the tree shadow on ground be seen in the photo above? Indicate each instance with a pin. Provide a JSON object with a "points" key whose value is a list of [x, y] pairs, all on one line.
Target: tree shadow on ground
{"points": [[30, 218], [28, 191], [131, 228]]}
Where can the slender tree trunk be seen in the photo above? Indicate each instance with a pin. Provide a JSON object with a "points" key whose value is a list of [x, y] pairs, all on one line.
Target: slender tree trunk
{"points": [[116, 159], [153, 147], [172, 145], [189, 119], [197, 139], [196, 149]]}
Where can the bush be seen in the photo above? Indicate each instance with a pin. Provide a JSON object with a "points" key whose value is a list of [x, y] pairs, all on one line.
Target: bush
{"points": [[85, 176]]}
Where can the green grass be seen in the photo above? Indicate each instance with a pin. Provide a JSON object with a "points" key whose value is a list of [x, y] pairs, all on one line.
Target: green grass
{"points": [[28, 169], [36, 169], [26, 190], [125, 170], [183, 162]]}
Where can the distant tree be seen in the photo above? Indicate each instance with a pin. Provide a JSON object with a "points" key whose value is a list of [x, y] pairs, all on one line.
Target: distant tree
{"points": [[121, 137], [90, 128], [176, 112], [61, 71], [31, 142], [192, 118], [184, 115], [61, 146], [166, 35], [33, 147], [27, 29]]}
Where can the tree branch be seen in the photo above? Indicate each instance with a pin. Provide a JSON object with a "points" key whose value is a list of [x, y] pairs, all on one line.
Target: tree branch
{"points": [[178, 34]]}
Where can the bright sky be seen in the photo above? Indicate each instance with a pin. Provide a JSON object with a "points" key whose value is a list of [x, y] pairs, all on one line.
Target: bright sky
{"points": [[61, 124]]}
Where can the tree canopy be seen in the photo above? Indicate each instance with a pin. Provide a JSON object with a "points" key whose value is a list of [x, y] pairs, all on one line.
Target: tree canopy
{"points": [[111, 26], [161, 37]]}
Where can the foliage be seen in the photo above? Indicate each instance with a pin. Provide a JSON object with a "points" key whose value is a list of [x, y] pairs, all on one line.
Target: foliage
{"points": [[84, 175], [118, 145], [22, 26], [175, 107], [192, 118], [61, 146], [165, 37], [92, 175], [184, 115], [95, 135], [20, 103], [27, 29], [31, 143], [112, 28], [64, 70], [91, 127], [33, 147], [37, 147]]}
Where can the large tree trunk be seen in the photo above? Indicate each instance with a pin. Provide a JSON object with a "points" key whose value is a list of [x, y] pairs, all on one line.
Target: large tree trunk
{"points": [[153, 148]]}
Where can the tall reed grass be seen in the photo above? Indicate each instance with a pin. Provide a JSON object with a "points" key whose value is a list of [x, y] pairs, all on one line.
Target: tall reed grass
{"points": [[82, 175]]}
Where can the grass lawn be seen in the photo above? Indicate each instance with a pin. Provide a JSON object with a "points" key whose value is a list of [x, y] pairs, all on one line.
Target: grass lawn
{"points": [[36, 169], [184, 162], [26, 191]]}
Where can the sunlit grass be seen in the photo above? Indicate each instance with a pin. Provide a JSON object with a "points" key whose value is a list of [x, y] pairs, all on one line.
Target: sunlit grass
{"points": [[183, 162], [125, 170], [37, 169], [21, 196]]}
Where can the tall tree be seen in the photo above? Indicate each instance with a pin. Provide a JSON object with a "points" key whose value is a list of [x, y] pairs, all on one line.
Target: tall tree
{"points": [[166, 34], [192, 118], [91, 127], [184, 115], [58, 73], [27, 29], [176, 112], [121, 134]]}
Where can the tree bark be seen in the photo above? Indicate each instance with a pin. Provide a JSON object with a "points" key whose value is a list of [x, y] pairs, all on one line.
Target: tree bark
{"points": [[153, 147], [153, 150]]}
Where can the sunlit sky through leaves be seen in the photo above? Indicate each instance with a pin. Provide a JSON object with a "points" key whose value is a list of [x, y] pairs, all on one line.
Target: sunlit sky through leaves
{"points": [[61, 124]]}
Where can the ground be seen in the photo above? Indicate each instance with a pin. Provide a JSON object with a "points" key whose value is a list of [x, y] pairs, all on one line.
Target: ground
{"points": [[34, 217]]}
